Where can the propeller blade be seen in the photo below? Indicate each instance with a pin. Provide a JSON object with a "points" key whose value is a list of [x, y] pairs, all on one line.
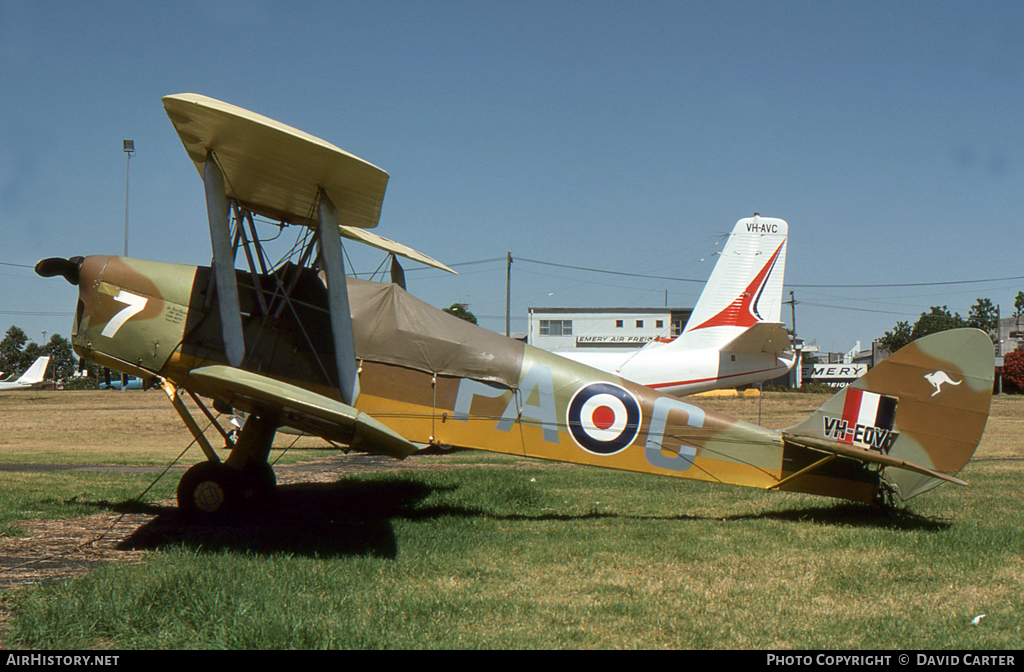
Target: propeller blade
{"points": [[68, 268]]}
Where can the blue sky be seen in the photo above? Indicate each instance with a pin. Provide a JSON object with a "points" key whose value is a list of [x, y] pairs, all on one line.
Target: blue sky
{"points": [[626, 136]]}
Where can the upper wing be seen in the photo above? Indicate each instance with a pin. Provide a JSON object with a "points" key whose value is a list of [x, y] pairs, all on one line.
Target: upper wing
{"points": [[388, 245], [299, 408], [273, 169]]}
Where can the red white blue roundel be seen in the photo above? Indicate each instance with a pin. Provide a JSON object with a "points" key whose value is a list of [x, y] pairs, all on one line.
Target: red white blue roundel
{"points": [[603, 418]]}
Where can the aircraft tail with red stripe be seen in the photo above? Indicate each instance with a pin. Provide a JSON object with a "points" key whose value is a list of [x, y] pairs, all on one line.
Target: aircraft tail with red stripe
{"points": [[734, 336], [745, 288]]}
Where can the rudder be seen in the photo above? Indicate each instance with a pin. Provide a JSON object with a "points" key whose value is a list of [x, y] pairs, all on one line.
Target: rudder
{"points": [[745, 286], [921, 410]]}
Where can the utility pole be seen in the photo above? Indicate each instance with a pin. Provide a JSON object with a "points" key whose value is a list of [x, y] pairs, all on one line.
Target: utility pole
{"points": [[508, 295], [129, 149], [999, 348], [792, 308], [798, 367]]}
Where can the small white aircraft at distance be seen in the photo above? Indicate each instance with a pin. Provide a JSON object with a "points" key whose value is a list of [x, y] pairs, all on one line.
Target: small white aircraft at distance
{"points": [[30, 379], [734, 336]]}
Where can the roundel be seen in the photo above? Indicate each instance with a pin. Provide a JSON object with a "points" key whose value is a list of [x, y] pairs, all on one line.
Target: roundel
{"points": [[603, 418]]}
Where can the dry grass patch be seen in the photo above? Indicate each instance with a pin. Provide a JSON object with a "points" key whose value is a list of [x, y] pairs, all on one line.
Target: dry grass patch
{"points": [[104, 427]]}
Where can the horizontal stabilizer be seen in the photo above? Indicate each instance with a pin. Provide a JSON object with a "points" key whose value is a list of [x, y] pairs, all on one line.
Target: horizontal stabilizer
{"points": [[299, 408], [758, 338], [865, 455]]}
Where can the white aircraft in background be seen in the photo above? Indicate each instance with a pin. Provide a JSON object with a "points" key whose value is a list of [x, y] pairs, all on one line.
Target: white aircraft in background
{"points": [[734, 336], [31, 378]]}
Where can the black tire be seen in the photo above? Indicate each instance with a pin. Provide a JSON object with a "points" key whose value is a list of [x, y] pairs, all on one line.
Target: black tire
{"points": [[208, 489], [259, 483]]}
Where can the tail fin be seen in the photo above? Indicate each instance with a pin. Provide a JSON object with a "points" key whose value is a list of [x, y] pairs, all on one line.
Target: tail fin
{"points": [[745, 286], [919, 414], [35, 372]]}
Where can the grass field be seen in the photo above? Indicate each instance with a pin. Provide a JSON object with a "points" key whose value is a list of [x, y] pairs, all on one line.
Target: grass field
{"points": [[506, 553]]}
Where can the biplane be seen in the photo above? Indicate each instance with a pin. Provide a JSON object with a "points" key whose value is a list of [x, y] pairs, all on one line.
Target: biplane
{"points": [[734, 336], [298, 344]]}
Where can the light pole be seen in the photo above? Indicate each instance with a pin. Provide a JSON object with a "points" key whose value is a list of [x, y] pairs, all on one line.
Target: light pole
{"points": [[129, 149]]}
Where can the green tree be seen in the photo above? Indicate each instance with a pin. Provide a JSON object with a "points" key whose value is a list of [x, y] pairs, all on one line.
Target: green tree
{"points": [[984, 315], [17, 353], [63, 364], [11, 349], [1018, 310], [936, 320], [897, 338], [461, 311], [30, 353]]}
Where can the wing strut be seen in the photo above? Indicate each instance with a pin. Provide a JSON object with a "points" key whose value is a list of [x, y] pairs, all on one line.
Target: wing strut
{"points": [[223, 262], [337, 291]]}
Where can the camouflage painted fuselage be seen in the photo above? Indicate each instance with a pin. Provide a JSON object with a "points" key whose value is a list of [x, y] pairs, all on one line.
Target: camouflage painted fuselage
{"points": [[435, 379]]}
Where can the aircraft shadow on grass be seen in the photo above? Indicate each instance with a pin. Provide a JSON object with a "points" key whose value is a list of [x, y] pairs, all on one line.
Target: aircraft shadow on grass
{"points": [[349, 517], [356, 517]]}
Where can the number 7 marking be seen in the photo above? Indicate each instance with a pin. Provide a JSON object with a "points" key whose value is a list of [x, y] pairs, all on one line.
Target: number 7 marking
{"points": [[135, 305]]}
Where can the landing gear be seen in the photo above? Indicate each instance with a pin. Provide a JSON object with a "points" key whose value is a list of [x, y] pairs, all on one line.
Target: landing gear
{"points": [[212, 489], [208, 489], [259, 483], [244, 482]]}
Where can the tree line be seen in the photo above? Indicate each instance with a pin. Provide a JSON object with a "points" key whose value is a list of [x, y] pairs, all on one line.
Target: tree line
{"points": [[17, 353], [982, 315]]}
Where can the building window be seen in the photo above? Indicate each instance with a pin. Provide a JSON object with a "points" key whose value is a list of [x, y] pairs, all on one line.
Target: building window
{"points": [[556, 327], [677, 327], [639, 324], [658, 324], [618, 324]]}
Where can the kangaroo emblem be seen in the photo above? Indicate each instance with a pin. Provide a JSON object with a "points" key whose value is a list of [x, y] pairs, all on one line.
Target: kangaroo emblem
{"points": [[938, 378]]}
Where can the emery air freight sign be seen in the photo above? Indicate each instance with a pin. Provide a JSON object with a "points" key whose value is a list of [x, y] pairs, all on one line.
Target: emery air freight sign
{"points": [[837, 375]]}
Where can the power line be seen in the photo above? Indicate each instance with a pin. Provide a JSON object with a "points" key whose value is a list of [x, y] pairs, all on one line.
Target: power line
{"points": [[910, 284], [29, 312], [692, 280], [788, 284], [860, 310], [601, 270]]}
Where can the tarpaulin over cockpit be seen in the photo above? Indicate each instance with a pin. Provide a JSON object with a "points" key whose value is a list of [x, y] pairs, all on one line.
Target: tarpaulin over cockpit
{"points": [[390, 325]]}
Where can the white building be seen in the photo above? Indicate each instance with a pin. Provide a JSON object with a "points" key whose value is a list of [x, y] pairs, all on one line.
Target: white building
{"points": [[568, 328], [1011, 335]]}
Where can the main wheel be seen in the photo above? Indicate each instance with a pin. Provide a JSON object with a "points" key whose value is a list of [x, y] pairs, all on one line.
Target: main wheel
{"points": [[208, 489], [258, 484]]}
